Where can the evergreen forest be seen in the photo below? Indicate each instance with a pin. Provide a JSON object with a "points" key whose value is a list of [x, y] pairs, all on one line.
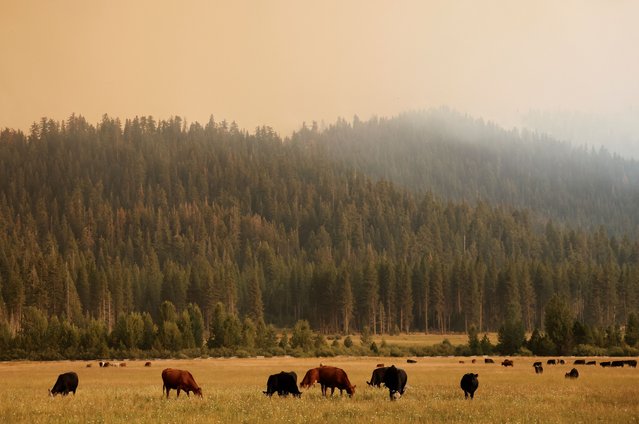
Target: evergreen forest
{"points": [[165, 236]]}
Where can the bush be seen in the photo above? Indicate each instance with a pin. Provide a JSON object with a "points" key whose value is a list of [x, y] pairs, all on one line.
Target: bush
{"points": [[588, 350]]}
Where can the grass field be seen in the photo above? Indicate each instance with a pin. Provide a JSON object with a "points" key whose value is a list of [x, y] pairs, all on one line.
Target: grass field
{"points": [[232, 391]]}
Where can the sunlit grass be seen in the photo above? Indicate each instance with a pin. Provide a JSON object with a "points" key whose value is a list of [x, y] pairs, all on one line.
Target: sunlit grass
{"points": [[232, 391]]}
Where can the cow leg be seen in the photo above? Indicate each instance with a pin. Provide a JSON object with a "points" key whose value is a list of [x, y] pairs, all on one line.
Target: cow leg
{"points": [[472, 395], [167, 392], [466, 395], [332, 391], [178, 390]]}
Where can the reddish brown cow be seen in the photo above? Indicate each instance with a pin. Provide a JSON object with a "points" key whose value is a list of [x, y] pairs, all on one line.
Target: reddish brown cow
{"points": [[311, 377], [334, 377], [179, 380]]}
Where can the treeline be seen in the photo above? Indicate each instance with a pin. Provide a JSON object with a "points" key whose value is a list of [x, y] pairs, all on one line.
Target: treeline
{"points": [[103, 221], [464, 159]]}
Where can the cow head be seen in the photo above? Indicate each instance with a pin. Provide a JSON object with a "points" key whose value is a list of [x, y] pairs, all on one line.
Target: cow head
{"points": [[52, 394], [198, 391]]}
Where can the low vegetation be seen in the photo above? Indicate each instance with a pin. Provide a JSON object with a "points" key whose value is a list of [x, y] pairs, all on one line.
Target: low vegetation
{"points": [[233, 388]]}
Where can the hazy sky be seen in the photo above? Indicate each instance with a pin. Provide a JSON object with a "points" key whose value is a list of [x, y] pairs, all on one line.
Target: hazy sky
{"points": [[283, 62]]}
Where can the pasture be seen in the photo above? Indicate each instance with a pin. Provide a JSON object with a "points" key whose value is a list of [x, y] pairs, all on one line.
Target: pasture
{"points": [[232, 391]]}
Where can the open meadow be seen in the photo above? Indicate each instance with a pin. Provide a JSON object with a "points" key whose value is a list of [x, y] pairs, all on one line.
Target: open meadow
{"points": [[232, 390]]}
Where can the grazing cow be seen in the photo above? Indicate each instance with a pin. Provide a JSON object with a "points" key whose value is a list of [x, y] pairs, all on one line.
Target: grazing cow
{"points": [[469, 384], [617, 364], [605, 364], [632, 363], [411, 361], [474, 360], [67, 382], [579, 362], [537, 364], [147, 364], [123, 364], [561, 361], [508, 363], [333, 377], [380, 365], [488, 361], [461, 362], [377, 378], [179, 380], [573, 373], [284, 383], [395, 379], [551, 362], [310, 378], [539, 369], [591, 363], [89, 365]]}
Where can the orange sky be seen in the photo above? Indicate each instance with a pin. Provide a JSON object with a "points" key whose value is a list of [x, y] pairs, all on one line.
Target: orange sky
{"points": [[283, 62]]}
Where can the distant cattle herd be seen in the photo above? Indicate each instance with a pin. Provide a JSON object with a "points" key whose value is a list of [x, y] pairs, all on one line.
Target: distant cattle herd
{"points": [[284, 383]]}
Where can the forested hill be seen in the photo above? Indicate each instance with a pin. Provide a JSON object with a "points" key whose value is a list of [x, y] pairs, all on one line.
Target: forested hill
{"points": [[460, 158], [99, 221]]}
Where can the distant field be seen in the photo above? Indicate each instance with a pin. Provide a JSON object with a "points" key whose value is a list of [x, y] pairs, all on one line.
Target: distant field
{"points": [[233, 393], [421, 339]]}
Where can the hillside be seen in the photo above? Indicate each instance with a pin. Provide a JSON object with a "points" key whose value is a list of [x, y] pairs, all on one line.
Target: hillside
{"points": [[100, 221], [462, 159]]}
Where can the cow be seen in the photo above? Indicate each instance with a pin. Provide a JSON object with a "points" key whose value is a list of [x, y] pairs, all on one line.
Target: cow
{"points": [[377, 378], [605, 364], [395, 379], [551, 362], [539, 369], [591, 363], [474, 360], [617, 364], [333, 377], [89, 365], [147, 364], [632, 363], [537, 364], [67, 382], [508, 363], [573, 373], [561, 361], [469, 384], [179, 380], [380, 365], [284, 383], [310, 378], [123, 364], [411, 361], [461, 362], [579, 362], [488, 361]]}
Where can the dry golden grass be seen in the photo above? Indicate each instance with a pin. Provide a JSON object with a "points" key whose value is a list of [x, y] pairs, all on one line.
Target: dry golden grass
{"points": [[233, 393]]}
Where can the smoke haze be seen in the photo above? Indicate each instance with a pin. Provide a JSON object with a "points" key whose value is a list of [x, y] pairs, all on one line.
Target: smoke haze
{"points": [[280, 63]]}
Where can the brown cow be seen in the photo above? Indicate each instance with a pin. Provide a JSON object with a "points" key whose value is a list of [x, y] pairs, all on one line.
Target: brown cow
{"points": [[147, 364], [334, 377], [179, 380], [310, 378]]}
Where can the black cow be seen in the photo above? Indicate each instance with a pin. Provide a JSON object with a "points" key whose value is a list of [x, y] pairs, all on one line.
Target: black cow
{"points": [[537, 364], [632, 363], [67, 382], [591, 363], [507, 363], [469, 384], [605, 364], [395, 379], [551, 362], [377, 378], [411, 361], [488, 361], [539, 369], [617, 364], [573, 373], [561, 361], [579, 362], [284, 383]]}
